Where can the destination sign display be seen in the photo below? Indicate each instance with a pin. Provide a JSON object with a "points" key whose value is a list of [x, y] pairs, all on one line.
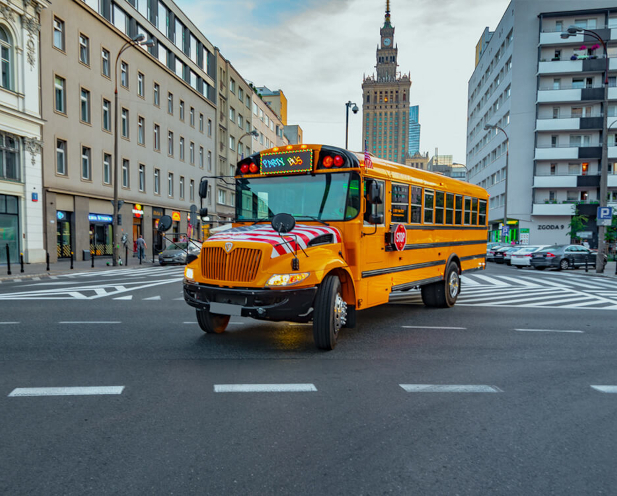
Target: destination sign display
{"points": [[287, 161]]}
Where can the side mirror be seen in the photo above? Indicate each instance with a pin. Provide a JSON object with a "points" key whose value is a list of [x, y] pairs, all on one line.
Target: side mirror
{"points": [[375, 219], [165, 223], [373, 193], [190, 258], [203, 188], [283, 223]]}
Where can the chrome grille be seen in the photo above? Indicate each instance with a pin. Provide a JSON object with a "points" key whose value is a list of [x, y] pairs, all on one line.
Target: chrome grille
{"points": [[239, 265]]}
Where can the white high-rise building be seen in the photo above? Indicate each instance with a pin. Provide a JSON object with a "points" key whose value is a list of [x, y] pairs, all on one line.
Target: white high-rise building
{"points": [[546, 93]]}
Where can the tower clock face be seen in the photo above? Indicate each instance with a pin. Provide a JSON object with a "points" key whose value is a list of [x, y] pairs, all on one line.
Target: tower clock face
{"points": [[387, 41]]}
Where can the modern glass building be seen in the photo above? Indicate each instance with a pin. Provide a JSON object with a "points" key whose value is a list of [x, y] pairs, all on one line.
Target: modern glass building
{"points": [[414, 130]]}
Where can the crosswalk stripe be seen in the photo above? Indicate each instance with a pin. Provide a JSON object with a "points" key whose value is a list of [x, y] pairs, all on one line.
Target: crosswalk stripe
{"points": [[491, 280], [152, 298], [518, 280], [465, 280]]}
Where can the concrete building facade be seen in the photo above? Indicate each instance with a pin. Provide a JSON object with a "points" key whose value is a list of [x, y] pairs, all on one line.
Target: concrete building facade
{"points": [[385, 101], [418, 161], [554, 136], [21, 140], [267, 123], [166, 121]]}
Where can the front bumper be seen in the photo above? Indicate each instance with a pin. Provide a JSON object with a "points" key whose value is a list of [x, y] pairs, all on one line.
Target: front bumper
{"points": [[294, 305]]}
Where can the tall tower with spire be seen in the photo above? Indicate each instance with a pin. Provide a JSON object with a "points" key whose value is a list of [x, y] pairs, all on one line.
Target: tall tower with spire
{"points": [[385, 107]]}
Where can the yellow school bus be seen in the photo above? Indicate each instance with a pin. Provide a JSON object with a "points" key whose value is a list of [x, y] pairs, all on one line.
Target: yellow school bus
{"points": [[321, 233]]}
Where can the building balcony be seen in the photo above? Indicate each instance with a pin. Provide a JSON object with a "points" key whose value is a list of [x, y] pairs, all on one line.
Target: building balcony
{"points": [[554, 38], [569, 124], [560, 67], [553, 209], [554, 181], [612, 151], [612, 180], [557, 96], [567, 152]]}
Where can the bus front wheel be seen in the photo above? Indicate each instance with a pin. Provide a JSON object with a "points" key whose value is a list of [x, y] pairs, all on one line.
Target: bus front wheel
{"points": [[330, 313], [212, 323], [443, 294]]}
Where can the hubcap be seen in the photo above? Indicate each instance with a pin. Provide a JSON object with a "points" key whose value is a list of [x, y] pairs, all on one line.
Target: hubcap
{"points": [[453, 284], [340, 313]]}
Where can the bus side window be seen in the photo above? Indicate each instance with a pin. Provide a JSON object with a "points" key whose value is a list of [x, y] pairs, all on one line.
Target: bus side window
{"points": [[467, 210], [439, 204], [474, 211], [449, 208], [416, 205], [429, 205], [375, 209], [458, 215], [482, 214]]}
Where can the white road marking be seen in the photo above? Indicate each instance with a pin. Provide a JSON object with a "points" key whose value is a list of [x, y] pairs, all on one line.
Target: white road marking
{"points": [[605, 389], [521, 281], [35, 279], [466, 280], [264, 388], [67, 391], [546, 330], [445, 388], [8, 323], [152, 298], [91, 322], [129, 297], [492, 281], [432, 327], [16, 280]]}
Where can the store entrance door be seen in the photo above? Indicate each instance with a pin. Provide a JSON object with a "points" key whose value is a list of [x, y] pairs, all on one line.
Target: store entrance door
{"points": [[63, 232]]}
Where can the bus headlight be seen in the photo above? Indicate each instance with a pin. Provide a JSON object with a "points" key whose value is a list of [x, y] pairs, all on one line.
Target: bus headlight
{"points": [[287, 279], [188, 274]]}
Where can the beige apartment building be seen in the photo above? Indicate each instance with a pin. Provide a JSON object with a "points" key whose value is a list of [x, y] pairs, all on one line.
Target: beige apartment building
{"points": [[268, 124], [234, 131], [166, 121]]}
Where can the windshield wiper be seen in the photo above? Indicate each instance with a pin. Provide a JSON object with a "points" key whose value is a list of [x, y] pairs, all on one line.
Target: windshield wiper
{"points": [[255, 221], [314, 218]]}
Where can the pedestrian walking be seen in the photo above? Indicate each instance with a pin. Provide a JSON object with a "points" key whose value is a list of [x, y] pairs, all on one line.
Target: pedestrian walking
{"points": [[141, 247], [586, 244]]}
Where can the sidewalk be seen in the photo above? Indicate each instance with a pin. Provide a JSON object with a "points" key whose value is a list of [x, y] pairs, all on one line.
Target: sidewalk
{"points": [[64, 267], [609, 271]]}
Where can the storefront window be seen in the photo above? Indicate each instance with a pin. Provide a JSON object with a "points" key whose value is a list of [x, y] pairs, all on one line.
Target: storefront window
{"points": [[9, 227], [64, 234], [100, 234]]}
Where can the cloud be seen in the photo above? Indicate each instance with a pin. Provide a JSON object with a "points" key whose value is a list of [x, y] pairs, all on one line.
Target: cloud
{"points": [[317, 52]]}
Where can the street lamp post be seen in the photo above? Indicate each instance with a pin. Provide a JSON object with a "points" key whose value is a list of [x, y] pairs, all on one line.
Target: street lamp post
{"points": [[505, 196], [254, 132], [137, 40], [354, 109], [573, 31]]}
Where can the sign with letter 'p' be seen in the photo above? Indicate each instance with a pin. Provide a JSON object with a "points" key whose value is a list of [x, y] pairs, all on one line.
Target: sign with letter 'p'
{"points": [[400, 237]]}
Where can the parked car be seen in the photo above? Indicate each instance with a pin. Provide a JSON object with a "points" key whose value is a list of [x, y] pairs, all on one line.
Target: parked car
{"points": [[522, 257], [490, 250], [500, 253], [563, 257], [176, 252]]}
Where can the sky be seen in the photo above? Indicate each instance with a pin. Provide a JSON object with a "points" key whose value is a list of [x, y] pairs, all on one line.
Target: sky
{"points": [[318, 52]]}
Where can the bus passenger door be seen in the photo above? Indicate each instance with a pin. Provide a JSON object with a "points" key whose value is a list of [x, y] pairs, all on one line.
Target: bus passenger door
{"points": [[373, 235]]}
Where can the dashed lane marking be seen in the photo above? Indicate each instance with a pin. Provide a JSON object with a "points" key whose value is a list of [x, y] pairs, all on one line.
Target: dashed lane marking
{"points": [[432, 327], [547, 330], [8, 323], [452, 388], [66, 391], [605, 389], [90, 322], [264, 388]]}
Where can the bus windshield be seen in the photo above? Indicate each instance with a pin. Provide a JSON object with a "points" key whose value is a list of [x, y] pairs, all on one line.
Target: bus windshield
{"points": [[327, 197]]}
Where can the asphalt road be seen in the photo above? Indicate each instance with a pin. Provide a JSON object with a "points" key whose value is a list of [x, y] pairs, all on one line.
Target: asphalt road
{"points": [[535, 424]]}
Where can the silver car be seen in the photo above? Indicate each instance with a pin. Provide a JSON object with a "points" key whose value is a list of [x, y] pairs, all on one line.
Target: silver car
{"points": [[176, 252], [522, 257]]}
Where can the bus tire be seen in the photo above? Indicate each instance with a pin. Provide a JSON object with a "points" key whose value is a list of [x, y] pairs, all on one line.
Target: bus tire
{"points": [[443, 294], [212, 323], [329, 314], [350, 321]]}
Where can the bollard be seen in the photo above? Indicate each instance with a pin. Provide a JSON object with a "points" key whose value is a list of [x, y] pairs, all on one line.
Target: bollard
{"points": [[8, 260], [71, 260], [586, 264], [152, 252], [21, 262], [126, 255], [47, 259], [92, 259]]}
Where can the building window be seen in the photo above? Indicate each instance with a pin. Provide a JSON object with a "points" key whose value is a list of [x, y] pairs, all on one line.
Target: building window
{"points": [[240, 121], [232, 199], [232, 114], [85, 162], [232, 143], [142, 177], [182, 187], [209, 161], [60, 95], [170, 103], [9, 158], [141, 130], [192, 153], [106, 115], [125, 123], [157, 95], [192, 117], [61, 157], [201, 123], [105, 68], [221, 196], [6, 69], [209, 127], [170, 184], [192, 190], [170, 144], [84, 49], [106, 168], [181, 148], [140, 84], [157, 182], [59, 34], [124, 74], [181, 110], [232, 85], [201, 157], [125, 173], [85, 106], [157, 137]]}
